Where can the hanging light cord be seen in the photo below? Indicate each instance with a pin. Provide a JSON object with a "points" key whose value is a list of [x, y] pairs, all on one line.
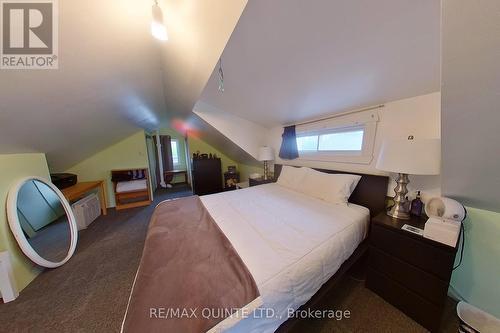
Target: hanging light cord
{"points": [[221, 76], [462, 229]]}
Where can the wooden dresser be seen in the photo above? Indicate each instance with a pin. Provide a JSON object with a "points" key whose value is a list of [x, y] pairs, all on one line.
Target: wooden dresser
{"points": [[207, 175], [409, 271]]}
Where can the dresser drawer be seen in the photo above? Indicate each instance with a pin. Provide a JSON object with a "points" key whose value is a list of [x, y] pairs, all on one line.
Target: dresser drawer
{"points": [[420, 254], [424, 284], [422, 311]]}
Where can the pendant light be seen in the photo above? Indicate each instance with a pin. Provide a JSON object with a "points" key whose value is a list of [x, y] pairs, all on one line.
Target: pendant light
{"points": [[158, 28]]}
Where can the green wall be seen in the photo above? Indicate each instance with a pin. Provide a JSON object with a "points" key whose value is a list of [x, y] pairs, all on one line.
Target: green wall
{"points": [[12, 168], [246, 170], [196, 144], [477, 279], [130, 153]]}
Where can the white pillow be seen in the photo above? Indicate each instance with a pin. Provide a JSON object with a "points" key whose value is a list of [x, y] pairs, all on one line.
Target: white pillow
{"points": [[333, 188], [292, 178]]}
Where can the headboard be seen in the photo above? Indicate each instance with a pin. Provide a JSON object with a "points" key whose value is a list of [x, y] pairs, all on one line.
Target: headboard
{"points": [[370, 192]]}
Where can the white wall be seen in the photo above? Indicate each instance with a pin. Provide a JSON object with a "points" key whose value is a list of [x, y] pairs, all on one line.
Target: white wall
{"points": [[419, 116], [248, 135]]}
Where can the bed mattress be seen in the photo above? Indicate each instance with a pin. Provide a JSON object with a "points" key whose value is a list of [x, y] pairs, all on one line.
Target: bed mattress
{"points": [[291, 243], [132, 186]]}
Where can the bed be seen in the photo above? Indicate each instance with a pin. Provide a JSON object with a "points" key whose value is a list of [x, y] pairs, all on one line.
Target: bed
{"points": [[292, 244]]}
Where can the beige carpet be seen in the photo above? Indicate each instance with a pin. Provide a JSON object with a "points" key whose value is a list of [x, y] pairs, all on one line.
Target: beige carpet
{"points": [[90, 292]]}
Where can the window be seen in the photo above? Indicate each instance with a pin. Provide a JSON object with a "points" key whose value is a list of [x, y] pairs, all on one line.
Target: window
{"points": [[345, 139], [307, 143], [174, 143], [350, 140], [342, 141]]}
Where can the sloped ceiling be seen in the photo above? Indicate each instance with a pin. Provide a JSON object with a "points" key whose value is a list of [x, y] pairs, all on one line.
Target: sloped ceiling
{"points": [[113, 76], [216, 139], [290, 60], [286, 61]]}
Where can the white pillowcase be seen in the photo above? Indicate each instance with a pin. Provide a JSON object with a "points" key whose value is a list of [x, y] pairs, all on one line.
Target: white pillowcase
{"points": [[292, 178], [333, 188]]}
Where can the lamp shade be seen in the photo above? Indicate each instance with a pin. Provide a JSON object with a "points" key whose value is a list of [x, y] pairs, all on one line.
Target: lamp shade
{"points": [[266, 154], [411, 156]]}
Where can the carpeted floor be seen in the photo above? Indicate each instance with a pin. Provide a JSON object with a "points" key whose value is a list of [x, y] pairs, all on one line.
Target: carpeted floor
{"points": [[368, 313], [90, 292]]}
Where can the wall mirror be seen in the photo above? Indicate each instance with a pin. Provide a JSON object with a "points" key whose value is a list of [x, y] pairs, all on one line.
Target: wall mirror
{"points": [[42, 222]]}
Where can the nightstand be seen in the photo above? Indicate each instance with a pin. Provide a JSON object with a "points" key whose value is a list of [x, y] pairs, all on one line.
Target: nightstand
{"points": [[409, 271], [242, 185], [261, 181]]}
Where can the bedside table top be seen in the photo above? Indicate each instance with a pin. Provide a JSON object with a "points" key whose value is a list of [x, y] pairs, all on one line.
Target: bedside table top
{"points": [[388, 221], [394, 224]]}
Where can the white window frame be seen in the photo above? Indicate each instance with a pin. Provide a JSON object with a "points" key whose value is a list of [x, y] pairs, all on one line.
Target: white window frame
{"points": [[367, 121], [176, 141]]}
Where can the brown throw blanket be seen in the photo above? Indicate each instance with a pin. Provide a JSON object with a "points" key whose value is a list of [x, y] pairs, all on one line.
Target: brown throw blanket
{"points": [[190, 277]]}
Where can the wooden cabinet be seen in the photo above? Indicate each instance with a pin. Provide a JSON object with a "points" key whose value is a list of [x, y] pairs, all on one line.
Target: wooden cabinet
{"points": [[207, 176], [409, 271]]}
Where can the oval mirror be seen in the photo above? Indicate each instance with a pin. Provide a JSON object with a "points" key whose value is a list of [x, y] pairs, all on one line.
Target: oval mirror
{"points": [[42, 222]]}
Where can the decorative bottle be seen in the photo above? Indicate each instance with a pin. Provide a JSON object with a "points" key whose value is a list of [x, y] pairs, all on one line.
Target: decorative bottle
{"points": [[417, 206]]}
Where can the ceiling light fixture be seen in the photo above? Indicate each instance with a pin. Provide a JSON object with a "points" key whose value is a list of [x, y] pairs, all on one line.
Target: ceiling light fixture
{"points": [[158, 28]]}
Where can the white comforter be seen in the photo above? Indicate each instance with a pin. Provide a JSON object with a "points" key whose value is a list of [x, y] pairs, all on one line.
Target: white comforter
{"points": [[291, 243]]}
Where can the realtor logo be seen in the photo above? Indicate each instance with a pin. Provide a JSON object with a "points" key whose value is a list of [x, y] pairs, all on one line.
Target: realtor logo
{"points": [[29, 34]]}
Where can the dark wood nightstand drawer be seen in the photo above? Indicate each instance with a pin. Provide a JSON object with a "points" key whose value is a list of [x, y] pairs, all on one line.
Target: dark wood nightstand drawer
{"points": [[418, 253], [426, 285], [423, 311]]}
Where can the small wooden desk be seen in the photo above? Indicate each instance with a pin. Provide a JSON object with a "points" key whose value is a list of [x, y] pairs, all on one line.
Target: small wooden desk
{"points": [[80, 189], [177, 172]]}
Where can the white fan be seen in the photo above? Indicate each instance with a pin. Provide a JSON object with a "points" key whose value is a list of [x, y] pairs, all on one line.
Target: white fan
{"points": [[446, 209], [445, 220]]}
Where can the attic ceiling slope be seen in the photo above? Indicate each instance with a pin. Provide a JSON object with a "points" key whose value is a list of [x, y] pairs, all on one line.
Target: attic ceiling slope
{"points": [[110, 81], [198, 32], [294, 60], [206, 132], [247, 135]]}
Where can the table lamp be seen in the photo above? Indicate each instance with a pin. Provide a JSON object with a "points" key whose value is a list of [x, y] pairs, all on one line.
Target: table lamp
{"points": [[266, 154], [408, 156]]}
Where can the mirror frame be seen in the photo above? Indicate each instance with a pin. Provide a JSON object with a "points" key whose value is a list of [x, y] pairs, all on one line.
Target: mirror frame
{"points": [[15, 225]]}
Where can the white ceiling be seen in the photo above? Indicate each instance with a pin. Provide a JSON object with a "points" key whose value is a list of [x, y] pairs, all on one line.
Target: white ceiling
{"points": [[110, 81], [287, 60], [290, 60]]}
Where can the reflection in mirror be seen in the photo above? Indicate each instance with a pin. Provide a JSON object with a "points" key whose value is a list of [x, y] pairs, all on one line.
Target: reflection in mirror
{"points": [[43, 220]]}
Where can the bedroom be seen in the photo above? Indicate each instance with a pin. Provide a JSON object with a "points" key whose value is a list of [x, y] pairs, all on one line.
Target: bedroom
{"points": [[143, 102]]}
